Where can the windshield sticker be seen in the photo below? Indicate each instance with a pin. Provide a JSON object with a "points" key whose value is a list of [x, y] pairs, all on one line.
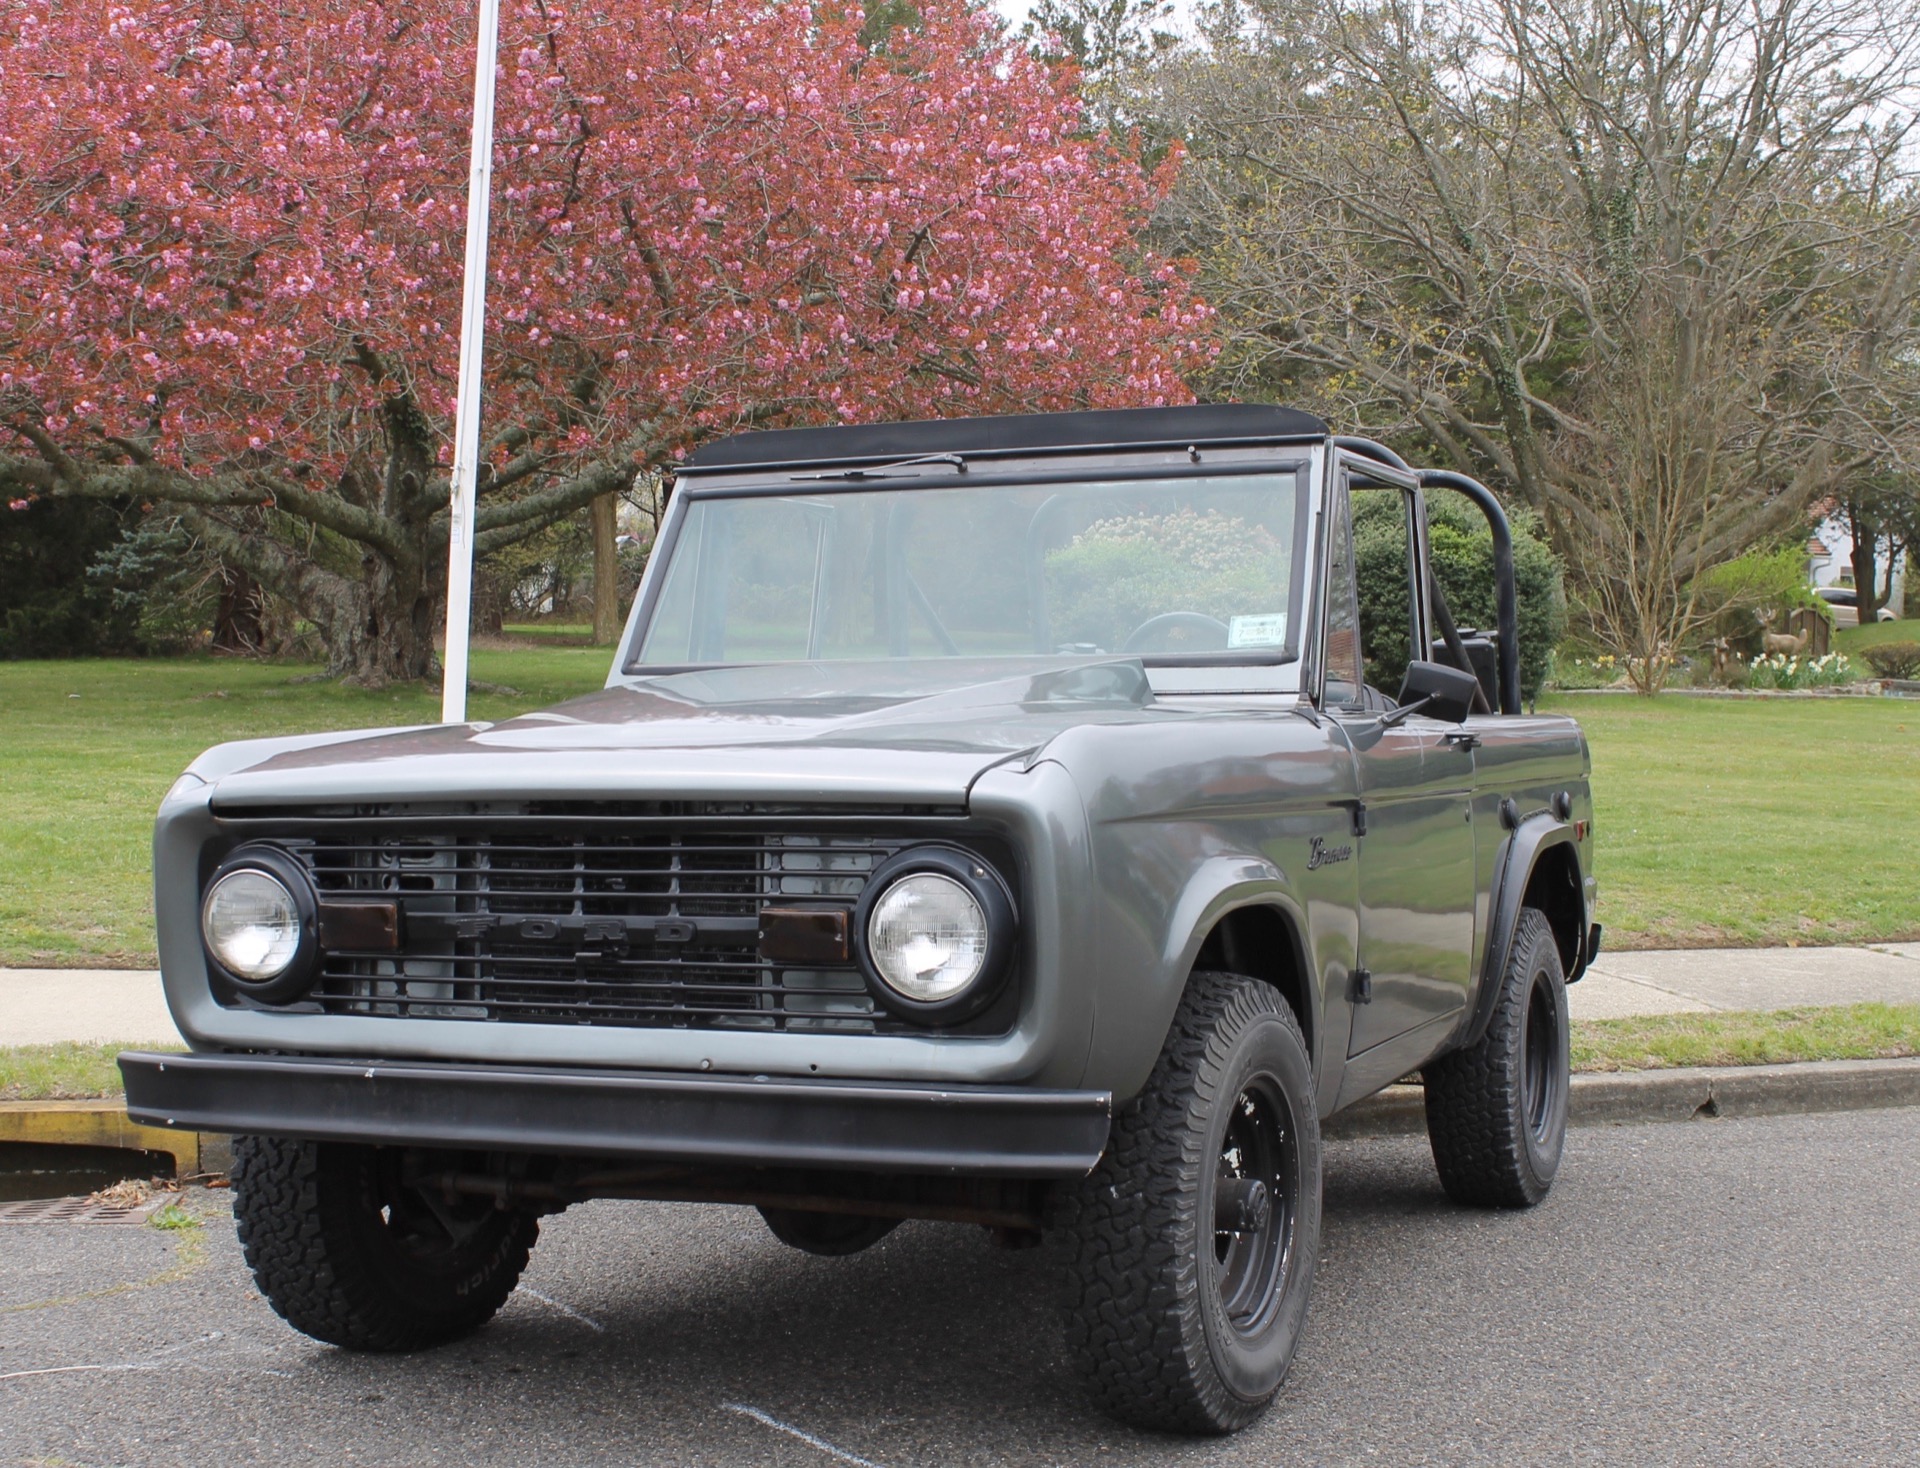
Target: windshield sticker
{"points": [[1267, 629]]}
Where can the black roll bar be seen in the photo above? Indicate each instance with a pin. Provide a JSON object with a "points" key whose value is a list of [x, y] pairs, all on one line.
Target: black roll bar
{"points": [[1506, 600], [1450, 634]]}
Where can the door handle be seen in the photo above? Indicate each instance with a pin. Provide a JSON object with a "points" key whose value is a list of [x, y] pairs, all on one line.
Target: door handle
{"points": [[1460, 739]]}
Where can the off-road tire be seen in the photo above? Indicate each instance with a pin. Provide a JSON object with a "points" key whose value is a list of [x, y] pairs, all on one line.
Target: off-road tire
{"points": [[830, 1235], [345, 1253], [1497, 1111], [1148, 1322]]}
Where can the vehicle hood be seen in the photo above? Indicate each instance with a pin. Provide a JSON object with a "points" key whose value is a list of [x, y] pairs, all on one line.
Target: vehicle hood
{"points": [[878, 732]]}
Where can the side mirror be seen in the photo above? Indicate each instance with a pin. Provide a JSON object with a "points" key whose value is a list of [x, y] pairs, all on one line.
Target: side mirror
{"points": [[1437, 691]]}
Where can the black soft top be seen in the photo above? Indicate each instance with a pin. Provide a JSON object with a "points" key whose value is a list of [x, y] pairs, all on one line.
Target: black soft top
{"points": [[1202, 423]]}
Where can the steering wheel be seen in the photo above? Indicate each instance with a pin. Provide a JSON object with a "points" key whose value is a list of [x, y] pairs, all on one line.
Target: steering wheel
{"points": [[1166, 621]]}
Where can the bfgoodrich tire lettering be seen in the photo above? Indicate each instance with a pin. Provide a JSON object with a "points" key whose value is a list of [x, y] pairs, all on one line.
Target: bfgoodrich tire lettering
{"points": [[1497, 1111], [345, 1252], [1174, 1321]]}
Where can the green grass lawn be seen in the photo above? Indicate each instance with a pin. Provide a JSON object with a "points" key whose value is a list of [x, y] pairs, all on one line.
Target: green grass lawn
{"points": [[1852, 639], [1717, 821], [1736, 822], [552, 634], [65, 1072], [91, 746], [1770, 1037]]}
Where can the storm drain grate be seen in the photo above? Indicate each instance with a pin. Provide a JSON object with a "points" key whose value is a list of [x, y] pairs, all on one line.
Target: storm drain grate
{"points": [[79, 1210]]}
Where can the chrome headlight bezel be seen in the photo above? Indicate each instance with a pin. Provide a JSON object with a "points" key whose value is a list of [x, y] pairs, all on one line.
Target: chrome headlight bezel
{"points": [[990, 893], [297, 975]]}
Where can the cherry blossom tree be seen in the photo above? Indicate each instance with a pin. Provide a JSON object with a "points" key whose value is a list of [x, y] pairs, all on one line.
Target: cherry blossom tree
{"points": [[230, 247]]}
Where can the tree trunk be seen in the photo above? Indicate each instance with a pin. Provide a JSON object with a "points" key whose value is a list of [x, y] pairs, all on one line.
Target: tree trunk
{"points": [[238, 623], [606, 570], [378, 630], [1866, 572]]}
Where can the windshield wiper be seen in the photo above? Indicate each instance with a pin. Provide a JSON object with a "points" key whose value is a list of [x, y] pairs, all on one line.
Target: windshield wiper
{"points": [[888, 471]]}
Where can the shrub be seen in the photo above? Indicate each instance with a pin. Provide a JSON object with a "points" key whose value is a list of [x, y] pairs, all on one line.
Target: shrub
{"points": [[1736, 595], [1120, 571], [1462, 548], [48, 607], [164, 583], [1894, 659]]}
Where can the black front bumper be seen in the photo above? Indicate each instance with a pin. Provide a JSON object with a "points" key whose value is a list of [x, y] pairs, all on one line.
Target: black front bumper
{"points": [[874, 1126]]}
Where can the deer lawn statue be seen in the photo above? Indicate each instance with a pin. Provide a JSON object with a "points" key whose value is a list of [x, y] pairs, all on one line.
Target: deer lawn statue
{"points": [[1782, 642], [1722, 660]]}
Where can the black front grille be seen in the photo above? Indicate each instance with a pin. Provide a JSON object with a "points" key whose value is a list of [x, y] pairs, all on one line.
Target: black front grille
{"points": [[592, 923]]}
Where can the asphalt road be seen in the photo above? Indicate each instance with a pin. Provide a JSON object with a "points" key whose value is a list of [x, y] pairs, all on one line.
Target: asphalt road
{"points": [[1714, 1292]]}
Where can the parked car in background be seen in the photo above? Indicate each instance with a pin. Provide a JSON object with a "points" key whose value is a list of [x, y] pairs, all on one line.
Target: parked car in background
{"points": [[1845, 604]]}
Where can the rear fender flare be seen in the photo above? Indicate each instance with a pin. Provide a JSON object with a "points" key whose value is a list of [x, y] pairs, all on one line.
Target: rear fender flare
{"points": [[1520, 853]]}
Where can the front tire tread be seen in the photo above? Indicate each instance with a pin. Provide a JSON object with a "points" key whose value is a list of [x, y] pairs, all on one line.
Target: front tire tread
{"points": [[294, 1204], [1125, 1236]]}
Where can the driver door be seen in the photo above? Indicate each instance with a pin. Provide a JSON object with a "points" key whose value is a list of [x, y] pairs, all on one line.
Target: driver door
{"points": [[1415, 784]]}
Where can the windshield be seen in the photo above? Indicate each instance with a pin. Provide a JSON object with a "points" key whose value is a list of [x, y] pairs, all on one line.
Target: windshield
{"points": [[1198, 569]]}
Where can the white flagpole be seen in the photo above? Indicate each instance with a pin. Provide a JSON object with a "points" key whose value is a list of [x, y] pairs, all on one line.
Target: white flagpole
{"points": [[466, 418]]}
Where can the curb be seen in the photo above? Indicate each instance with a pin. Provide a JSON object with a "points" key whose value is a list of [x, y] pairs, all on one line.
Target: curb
{"points": [[1609, 1098], [105, 1124]]}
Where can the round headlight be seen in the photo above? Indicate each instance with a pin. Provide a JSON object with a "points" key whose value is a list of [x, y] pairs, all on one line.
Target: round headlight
{"points": [[260, 921], [928, 937], [935, 933], [252, 924]]}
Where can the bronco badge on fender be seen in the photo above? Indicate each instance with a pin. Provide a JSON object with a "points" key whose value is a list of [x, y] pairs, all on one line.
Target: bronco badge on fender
{"points": [[1319, 854]]}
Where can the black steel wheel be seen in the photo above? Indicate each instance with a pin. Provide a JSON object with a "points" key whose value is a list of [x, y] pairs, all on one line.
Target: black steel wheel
{"points": [[347, 1251], [828, 1234], [1497, 1111], [1189, 1252], [1255, 1205]]}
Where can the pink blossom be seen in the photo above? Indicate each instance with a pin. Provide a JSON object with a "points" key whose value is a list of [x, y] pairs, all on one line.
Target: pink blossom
{"points": [[710, 212]]}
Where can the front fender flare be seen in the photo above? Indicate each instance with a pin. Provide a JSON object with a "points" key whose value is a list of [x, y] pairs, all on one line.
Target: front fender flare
{"points": [[1219, 885]]}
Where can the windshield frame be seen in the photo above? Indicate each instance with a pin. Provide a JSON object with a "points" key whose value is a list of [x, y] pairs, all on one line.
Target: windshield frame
{"points": [[1035, 471]]}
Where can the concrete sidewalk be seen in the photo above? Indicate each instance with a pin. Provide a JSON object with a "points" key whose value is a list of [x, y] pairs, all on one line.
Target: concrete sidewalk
{"points": [[41, 1006], [1696, 980]]}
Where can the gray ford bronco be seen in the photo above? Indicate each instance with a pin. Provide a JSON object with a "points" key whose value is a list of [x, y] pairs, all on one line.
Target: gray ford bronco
{"points": [[996, 821]]}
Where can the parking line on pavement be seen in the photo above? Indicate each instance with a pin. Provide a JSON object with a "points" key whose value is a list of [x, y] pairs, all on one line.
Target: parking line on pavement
{"points": [[767, 1419], [63, 1370], [154, 1362], [566, 1310]]}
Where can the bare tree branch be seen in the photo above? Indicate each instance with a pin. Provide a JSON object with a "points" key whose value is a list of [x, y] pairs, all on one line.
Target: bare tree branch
{"points": [[1654, 270]]}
